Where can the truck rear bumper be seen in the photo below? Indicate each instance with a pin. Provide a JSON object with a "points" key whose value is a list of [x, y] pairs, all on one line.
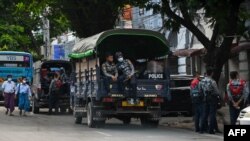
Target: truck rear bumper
{"points": [[44, 103], [110, 113]]}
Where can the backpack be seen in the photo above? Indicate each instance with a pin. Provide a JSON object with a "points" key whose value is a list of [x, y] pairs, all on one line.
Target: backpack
{"points": [[208, 90], [237, 89], [196, 95]]}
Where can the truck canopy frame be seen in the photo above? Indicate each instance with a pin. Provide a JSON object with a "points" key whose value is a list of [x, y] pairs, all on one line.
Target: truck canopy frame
{"points": [[134, 43]]}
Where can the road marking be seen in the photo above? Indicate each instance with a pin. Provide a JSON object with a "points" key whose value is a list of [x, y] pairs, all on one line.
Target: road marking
{"points": [[105, 134], [215, 136]]}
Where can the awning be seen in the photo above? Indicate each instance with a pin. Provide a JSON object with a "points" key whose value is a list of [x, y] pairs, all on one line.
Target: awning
{"points": [[242, 46], [196, 52], [189, 52], [134, 43]]}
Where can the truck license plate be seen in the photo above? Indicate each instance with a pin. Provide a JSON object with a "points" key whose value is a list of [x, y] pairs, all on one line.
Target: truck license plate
{"points": [[126, 104]]}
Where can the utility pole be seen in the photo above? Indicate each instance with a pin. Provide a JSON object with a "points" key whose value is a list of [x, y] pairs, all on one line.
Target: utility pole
{"points": [[46, 33]]}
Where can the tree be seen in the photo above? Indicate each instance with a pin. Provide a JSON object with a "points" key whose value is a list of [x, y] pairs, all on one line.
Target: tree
{"points": [[89, 17], [226, 18], [21, 23]]}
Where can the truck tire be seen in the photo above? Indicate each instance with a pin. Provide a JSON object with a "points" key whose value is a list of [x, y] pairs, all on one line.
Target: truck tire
{"points": [[90, 121], [62, 110], [126, 121], [78, 120], [100, 124], [90, 118], [35, 109], [146, 122], [70, 110]]}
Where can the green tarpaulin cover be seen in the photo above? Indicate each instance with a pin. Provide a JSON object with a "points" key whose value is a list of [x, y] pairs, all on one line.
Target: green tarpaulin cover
{"points": [[135, 43]]}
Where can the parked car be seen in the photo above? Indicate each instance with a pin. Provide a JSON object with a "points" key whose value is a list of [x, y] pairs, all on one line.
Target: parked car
{"points": [[244, 117]]}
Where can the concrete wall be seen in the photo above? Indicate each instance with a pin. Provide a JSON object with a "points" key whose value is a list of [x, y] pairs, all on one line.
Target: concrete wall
{"points": [[146, 19], [244, 65]]}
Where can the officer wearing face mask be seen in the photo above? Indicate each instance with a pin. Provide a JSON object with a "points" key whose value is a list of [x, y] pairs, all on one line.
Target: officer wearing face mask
{"points": [[127, 76], [24, 93]]}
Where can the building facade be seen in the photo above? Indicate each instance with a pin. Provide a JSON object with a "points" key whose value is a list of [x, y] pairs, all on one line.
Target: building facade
{"points": [[188, 64]]}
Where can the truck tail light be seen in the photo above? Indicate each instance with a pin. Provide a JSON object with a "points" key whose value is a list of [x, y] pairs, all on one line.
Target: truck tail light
{"points": [[107, 100], [158, 100]]}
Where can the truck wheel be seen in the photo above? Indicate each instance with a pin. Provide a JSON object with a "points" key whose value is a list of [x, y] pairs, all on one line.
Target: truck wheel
{"points": [[91, 123], [78, 120], [154, 123], [126, 121], [62, 110], [70, 110], [90, 118], [100, 124], [35, 109], [145, 122]]}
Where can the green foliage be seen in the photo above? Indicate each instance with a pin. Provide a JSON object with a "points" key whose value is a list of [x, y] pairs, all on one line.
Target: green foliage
{"points": [[88, 17], [20, 19]]}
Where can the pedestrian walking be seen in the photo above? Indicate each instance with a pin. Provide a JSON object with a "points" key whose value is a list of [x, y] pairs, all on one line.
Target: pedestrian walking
{"points": [[237, 95], [197, 100], [54, 93], [24, 93], [210, 91], [8, 87]]}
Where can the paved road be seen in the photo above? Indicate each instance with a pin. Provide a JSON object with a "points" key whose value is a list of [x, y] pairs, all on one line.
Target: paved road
{"points": [[62, 128]]}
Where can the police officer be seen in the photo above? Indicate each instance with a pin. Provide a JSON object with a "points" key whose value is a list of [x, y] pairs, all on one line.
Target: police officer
{"points": [[63, 75], [109, 71], [237, 94], [127, 76], [54, 93], [209, 89], [197, 100]]}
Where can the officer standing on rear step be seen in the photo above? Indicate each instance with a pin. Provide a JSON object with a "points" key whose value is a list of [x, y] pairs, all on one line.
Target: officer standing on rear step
{"points": [[127, 78], [54, 93]]}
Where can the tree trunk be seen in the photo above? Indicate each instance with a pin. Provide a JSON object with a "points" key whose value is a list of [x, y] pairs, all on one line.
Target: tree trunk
{"points": [[217, 71], [217, 57]]}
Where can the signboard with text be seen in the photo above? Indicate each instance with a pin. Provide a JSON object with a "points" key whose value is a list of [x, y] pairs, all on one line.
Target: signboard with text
{"points": [[59, 53], [12, 58]]}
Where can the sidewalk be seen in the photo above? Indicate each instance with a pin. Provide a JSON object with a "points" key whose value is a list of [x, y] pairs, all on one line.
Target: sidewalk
{"points": [[187, 122]]}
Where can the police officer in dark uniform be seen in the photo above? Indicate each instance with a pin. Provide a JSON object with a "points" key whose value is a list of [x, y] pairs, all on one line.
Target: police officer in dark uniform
{"points": [[210, 90], [127, 76], [237, 94], [109, 71], [197, 101]]}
